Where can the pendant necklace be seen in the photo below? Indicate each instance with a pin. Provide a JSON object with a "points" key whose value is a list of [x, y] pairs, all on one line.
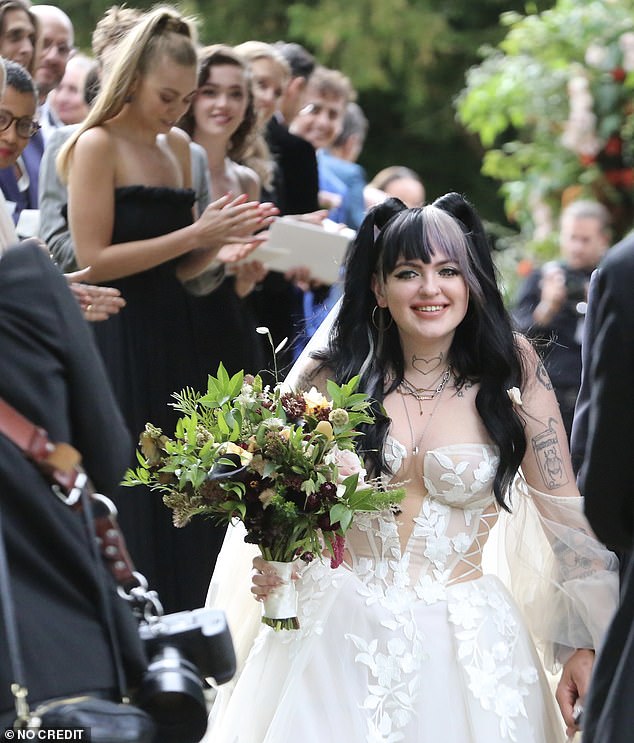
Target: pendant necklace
{"points": [[438, 395], [421, 393]]}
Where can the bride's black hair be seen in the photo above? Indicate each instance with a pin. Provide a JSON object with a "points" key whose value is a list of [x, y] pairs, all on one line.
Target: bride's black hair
{"points": [[365, 341]]}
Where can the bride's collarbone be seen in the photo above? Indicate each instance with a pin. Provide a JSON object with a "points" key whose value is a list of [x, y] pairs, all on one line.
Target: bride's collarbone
{"points": [[421, 432]]}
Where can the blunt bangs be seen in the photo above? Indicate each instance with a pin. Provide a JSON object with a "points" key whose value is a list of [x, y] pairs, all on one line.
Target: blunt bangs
{"points": [[420, 233]]}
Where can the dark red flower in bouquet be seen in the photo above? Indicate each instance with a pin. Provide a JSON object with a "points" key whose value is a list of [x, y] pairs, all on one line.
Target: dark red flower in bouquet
{"points": [[338, 544], [294, 405], [324, 523]]}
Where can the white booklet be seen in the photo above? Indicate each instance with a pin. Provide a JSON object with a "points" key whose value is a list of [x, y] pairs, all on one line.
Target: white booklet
{"points": [[292, 242]]}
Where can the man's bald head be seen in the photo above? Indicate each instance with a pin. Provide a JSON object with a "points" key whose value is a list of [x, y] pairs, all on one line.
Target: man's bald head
{"points": [[57, 38]]}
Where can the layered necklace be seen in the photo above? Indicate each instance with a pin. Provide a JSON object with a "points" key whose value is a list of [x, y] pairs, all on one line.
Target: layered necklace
{"points": [[425, 393], [407, 389]]}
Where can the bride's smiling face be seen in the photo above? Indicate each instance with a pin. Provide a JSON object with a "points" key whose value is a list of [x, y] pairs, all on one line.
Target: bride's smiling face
{"points": [[426, 300]]}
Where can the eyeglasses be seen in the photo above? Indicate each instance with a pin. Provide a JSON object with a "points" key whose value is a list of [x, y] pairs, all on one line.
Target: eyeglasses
{"points": [[24, 125], [64, 50]]}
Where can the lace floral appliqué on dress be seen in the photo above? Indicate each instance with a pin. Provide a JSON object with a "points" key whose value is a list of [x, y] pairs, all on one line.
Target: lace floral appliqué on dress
{"points": [[407, 642]]}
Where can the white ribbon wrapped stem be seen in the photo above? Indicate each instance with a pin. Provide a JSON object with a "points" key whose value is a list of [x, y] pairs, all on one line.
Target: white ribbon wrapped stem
{"points": [[282, 601]]}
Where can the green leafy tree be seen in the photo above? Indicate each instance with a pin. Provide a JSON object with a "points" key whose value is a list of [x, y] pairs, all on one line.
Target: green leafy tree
{"points": [[406, 58], [552, 106]]}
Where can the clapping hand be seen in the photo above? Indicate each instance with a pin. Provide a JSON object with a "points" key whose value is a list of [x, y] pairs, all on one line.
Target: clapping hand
{"points": [[247, 275], [234, 220]]}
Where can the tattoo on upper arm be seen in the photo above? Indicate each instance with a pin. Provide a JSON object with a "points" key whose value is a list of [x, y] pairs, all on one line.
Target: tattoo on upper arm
{"points": [[549, 457], [310, 378], [542, 376], [303, 382]]}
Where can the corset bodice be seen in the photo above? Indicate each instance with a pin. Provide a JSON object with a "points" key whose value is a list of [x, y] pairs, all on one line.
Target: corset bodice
{"points": [[445, 541]]}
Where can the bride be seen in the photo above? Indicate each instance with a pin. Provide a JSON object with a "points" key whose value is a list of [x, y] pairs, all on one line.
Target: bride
{"points": [[411, 639]]}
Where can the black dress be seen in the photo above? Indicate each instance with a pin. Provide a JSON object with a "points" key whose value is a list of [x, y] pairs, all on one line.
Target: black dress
{"points": [[157, 345]]}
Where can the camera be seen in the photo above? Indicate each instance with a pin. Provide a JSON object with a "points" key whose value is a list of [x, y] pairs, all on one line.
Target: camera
{"points": [[183, 649], [576, 286]]}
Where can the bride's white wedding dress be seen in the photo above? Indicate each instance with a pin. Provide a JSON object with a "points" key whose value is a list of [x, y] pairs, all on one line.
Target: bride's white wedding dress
{"points": [[409, 641]]}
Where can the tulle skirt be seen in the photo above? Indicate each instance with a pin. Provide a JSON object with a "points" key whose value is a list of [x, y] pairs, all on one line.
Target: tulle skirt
{"points": [[460, 669]]}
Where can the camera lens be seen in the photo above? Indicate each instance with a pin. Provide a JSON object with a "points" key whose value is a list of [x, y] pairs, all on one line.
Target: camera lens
{"points": [[172, 693]]}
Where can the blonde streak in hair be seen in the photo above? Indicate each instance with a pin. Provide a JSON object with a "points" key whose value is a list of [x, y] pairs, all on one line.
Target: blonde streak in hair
{"points": [[444, 241]]}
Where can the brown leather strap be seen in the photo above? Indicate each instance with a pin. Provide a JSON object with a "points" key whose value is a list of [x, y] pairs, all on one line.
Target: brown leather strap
{"points": [[59, 462], [113, 547]]}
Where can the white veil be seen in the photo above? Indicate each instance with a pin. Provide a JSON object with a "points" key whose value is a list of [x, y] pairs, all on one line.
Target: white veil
{"points": [[316, 343]]}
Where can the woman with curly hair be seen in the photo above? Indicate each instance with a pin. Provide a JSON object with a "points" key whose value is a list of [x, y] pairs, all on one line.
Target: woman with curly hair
{"points": [[222, 120]]}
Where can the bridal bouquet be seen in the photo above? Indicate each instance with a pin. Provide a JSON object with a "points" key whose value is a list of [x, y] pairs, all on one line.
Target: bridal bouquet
{"points": [[281, 462]]}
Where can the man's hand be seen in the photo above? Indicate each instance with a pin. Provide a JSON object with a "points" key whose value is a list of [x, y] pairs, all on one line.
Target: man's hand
{"points": [[573, 686]]}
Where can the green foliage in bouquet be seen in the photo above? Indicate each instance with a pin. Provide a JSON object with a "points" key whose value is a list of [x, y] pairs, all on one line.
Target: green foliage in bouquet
{"points": [[282, 462]]}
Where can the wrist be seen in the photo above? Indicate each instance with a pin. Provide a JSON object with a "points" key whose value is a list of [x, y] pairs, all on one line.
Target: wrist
{"points": [[544, 312]]}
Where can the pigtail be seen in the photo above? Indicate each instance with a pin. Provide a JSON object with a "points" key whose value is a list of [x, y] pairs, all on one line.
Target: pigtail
{"points": [[484, 348]]}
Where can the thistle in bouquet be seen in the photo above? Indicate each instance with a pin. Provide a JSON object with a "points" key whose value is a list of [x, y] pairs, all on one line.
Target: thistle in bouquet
{"points": [[282, 462]]}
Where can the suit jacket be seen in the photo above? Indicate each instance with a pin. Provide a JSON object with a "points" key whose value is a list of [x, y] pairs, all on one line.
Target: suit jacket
{"points": [[605, 479], [50, 371], [54, 228], [579, 436], [606, 482], [30, 161], [298, 186]]}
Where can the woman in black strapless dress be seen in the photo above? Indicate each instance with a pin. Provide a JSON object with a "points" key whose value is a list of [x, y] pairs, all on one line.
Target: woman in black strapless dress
{"points": [[131, 217]]}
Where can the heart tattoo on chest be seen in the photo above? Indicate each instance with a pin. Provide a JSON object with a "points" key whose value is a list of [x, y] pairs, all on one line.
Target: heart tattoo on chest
{"points": [[427, 366]]}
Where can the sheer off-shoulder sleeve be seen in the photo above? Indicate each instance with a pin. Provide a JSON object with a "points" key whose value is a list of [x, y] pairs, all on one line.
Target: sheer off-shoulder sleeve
{"points": [[563, 578]]}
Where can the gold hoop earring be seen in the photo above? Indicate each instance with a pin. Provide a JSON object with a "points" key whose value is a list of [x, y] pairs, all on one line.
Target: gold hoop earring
{"points": [[374, 322]]}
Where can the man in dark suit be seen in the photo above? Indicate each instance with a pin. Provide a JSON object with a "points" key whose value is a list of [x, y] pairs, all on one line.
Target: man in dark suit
{"points": [[50, 371], [551, 301], [607, 483], [278, 302], [297, 163]]}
